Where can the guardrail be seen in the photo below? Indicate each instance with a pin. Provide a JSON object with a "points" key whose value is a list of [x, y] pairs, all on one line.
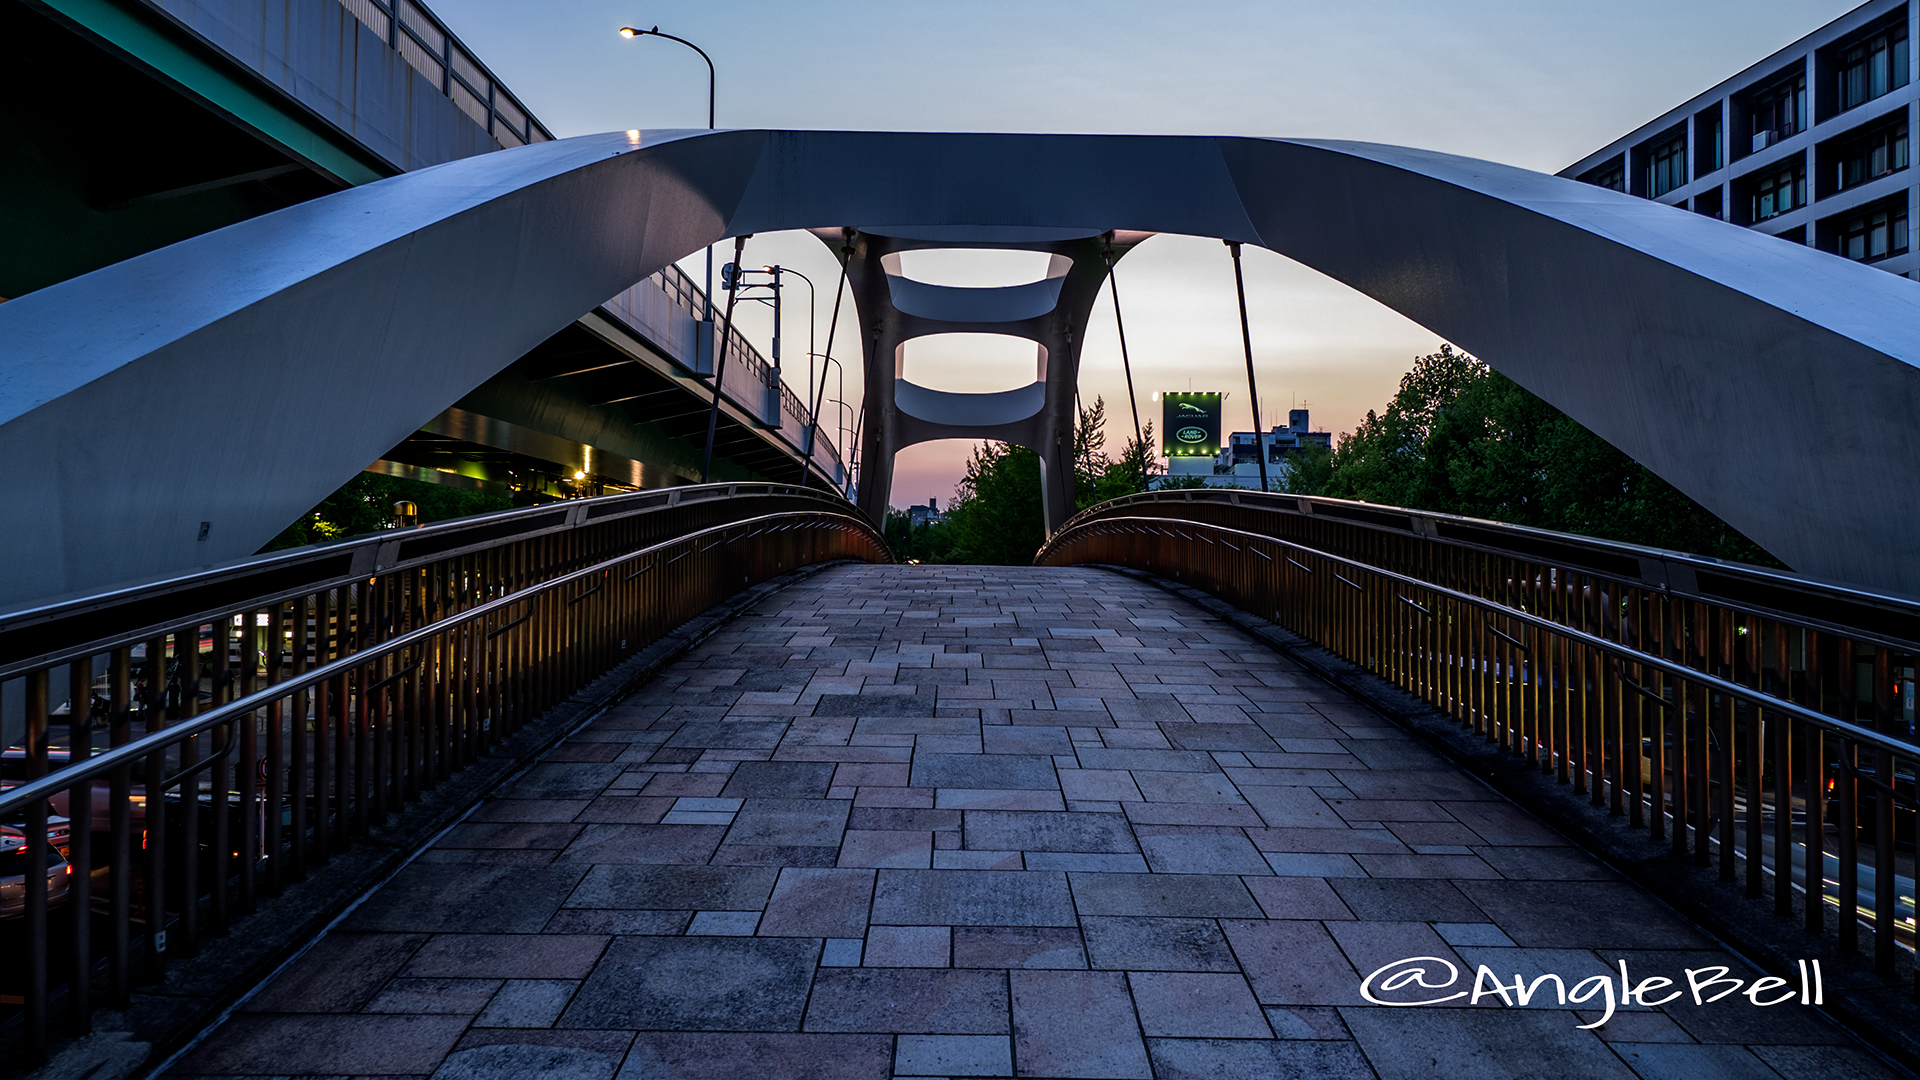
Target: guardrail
{"points": [[1740, 713], [286, 704], [667, 309]]}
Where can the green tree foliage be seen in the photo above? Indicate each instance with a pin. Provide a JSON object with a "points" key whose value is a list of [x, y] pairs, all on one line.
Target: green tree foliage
{"points": [[1461, 438], [365, 505], [931, 542], [996, 517]]}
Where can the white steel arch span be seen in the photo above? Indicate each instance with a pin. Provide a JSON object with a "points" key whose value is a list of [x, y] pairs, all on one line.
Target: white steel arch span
{"points": [[236, 378]]}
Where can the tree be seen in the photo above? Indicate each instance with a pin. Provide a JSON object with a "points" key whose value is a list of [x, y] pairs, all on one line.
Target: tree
{"points": [[996, 515], [1132, 471], [1090, 462], [1461, 438], [364, 504]]}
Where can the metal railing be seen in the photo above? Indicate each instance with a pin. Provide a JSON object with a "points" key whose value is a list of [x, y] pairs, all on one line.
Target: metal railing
{"points": [[666, 310], [432, 50], [1744, 716], [260, 717]]}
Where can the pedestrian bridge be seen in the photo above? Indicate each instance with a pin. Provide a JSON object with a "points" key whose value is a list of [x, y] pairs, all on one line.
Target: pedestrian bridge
{"points": [[986, 821], [546, 810]]}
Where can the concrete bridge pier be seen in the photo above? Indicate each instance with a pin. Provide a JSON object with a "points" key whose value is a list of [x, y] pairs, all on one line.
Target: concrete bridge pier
{"points": [[1051, 312]]}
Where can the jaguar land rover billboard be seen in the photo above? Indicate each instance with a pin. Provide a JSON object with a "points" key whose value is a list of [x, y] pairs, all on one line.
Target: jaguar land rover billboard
{"points": [[1191, 424]]}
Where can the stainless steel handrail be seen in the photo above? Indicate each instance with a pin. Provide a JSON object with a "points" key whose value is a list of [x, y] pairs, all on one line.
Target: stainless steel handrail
{"points": [[52, 784], [1855, 732]]}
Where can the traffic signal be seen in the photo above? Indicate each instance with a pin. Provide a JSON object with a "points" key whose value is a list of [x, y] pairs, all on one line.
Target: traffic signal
{"points": [[728, 275]]}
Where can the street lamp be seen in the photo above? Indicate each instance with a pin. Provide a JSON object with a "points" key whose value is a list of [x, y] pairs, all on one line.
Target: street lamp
{"points": [[630, 33]]}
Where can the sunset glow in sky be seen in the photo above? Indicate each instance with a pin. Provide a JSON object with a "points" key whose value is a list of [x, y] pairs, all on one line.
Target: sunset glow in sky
{"points": [[1532, 83]]}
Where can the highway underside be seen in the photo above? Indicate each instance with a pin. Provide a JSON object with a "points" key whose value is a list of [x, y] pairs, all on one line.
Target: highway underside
{"points": [[984, 821]]}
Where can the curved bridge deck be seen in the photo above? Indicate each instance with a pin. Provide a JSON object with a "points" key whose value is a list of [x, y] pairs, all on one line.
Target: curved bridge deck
{"points": [[960, 821]]}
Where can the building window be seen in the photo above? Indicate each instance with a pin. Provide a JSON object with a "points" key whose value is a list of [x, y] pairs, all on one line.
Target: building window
{"points": [[1780, 191], [1667, 166], [1873, 67], [1612, 175], [1872, 156], [1778, 111], [1872, 234], [1709, 203]]}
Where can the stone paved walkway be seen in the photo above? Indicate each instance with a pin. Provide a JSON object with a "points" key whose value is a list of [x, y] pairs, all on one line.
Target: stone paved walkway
{"points": [[927, 821]]}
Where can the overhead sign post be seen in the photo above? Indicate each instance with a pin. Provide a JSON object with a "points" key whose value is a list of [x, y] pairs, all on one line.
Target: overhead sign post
{"points": [[1190, 424]]}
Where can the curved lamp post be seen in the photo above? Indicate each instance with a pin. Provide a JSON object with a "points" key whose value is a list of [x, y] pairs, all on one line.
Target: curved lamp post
{"points": [[630, 33]]}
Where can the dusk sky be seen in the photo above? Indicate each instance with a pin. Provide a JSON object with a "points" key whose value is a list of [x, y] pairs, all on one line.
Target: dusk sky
{"points": [[1532, 83]]}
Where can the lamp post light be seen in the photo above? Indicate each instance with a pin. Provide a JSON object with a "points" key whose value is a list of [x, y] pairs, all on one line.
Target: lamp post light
{"points": [[823, 382], [630, 33]]}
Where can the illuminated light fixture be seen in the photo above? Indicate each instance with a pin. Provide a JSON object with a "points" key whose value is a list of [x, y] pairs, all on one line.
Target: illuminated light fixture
{"points": [[579, 474], [630, 32]]}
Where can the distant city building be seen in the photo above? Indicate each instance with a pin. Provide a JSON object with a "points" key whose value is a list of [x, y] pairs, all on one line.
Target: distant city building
{"points": [[920, 516], [1238, 464], [1812, 144]]}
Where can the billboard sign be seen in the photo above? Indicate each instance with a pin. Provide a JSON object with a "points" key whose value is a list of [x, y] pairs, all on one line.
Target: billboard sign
{"points": [[1190, 424]]}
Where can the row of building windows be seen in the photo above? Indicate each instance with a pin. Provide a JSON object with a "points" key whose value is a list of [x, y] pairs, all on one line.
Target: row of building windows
{"points": [[1873, 64]]}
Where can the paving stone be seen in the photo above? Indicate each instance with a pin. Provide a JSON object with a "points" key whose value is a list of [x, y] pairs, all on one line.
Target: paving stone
{"points": [[1186, 787], [953, 1055], [1203, 736], [779, 780], [682, 844], [1407, 899], [685, 1056], [1291, 807], [873, 705], [341, 973], [490, 899], [602, 921], [941, 1001], [903, 819], [1809, 1061], [1343, 841], [566, 780], [1147, 760], [842, 952], [507, 956], [735, 734], [281, 1045], [1035, 947], [1196, 1005], [911, 850], [1048, 831], [1405, 1043], [1172, 849], [462, 997], [696, 984], [790, 822], [1294, 962], [818, 902], [1305, 1022], [1586, 914], [528, 1003], [675, 887], [1297, 898], [997, 799], [621, 809], [1239, 1059], [1076, 1023], [1026, 740], [1183, 895], [908, 946], [972, 898], [1033, 772], [1142, 943], [724, 923]]}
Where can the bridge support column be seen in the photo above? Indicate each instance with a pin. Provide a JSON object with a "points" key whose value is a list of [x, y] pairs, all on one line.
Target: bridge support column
{"points": [[1051, 312]]}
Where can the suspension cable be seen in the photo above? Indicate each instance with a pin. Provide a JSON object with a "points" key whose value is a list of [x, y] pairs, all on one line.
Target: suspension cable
{"points": [[1246, 344], [720, 362], [833, 324], [1126, 365]]}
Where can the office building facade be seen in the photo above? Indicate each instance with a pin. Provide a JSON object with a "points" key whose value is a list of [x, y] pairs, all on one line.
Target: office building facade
{"points": [[1812, 144]]}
